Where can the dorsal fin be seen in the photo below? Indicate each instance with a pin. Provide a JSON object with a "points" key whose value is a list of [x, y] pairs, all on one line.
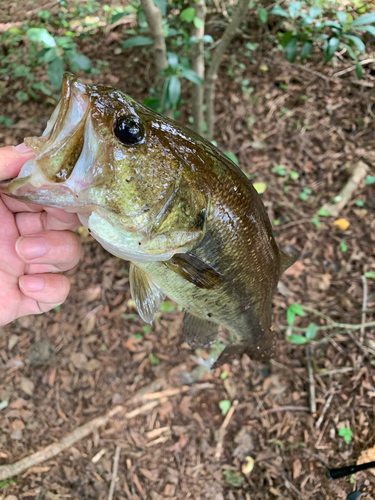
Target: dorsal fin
{"points": [[148, 296]]}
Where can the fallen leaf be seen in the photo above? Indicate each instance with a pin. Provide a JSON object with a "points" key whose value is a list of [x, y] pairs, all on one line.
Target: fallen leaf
{"points": [[367, 456], [248, 466], [297, 467], [79, 360], [341, 224], [27, 386]]}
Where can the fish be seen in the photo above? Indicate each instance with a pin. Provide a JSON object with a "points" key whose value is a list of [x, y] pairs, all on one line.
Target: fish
{"points": [[157, 194]]}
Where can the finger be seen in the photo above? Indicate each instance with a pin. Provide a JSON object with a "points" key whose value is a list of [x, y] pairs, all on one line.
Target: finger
{"points": [[46, 291], [32, 223], [58, 248], [12, 159]]}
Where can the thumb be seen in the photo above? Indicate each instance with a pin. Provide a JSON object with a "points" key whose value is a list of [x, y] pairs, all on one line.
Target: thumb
{"points": [[12, 159]]}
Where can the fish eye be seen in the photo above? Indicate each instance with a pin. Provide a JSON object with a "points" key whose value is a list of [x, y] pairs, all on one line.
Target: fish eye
{"points": [[128, 130]]}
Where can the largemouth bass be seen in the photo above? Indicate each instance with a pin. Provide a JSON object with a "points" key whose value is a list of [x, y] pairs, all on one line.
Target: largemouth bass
{"points": [[157, 194]]}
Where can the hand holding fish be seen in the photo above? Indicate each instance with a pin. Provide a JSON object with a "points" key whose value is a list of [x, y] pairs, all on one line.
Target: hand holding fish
{"points": [[34, 242]]}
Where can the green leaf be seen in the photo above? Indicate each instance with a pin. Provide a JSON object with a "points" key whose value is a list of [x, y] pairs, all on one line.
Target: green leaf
{"points": [[232, 156], [358, 70], [119, 15], [330, 48], [224, 406], [79, 61], [342, 17], [357, 41], [55, 72], [370, 274], [260, 187], [332, 24], [311, 331], [207, 39], [188, 14], [323, 212], [296, 339], [168, 307], [286, 38], [172, 60], [306, 49], [343, 247], [50, 55], [294, 9], [365, 19], [369, 29], [303, 196], [162, 4], [291, 49], [233, 478], [293, 311], [370, 179], [137, 41], [346, 433], [263, 14], [350, 51], [293, 175], [41, 35], [173, 90], [191, 75], [278, 11], [198, 23], [154, 360], [314, 12]]}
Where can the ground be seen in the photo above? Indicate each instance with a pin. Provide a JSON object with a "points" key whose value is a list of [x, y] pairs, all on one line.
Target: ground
{"points": [[67, 367]]}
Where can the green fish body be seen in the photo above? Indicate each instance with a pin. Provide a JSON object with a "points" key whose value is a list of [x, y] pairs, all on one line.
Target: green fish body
{"points": [[155, 193]]}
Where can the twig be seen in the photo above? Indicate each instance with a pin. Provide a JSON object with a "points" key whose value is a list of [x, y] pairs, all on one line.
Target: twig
{"points": [[352, 68], [7, 471], [334, 372], [316, 73], [229, 32], [325, 408], [114, 472], [329, 327], [364, 307], [347, 191], [197, 64], [310, 374], [222, 430], [285, 408]]}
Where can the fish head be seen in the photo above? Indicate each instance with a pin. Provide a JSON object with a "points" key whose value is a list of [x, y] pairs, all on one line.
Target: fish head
{"points": [[101, 151]]}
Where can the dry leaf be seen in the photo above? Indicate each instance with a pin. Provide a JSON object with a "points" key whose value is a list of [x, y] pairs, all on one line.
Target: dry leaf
{"points": [[367, 456], [27, 386], [78, 359], [341, 224], [297, 467], [248, 466]]}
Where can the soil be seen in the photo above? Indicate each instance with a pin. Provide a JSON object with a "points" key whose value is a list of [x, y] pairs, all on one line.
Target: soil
{"points": [[64, 368]]}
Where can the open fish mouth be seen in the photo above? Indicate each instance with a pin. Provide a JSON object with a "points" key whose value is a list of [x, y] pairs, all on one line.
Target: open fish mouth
{"points": [[64, 144]]}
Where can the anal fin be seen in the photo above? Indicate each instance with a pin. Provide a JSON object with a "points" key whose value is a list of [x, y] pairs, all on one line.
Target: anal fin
{"points": [[148, 296], [199, 332], [195, 270]]}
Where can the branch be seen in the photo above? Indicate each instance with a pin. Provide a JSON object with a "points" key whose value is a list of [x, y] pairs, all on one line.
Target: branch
{"points": [[229, 32], [197, 63], [155, 24], [347, 191]]}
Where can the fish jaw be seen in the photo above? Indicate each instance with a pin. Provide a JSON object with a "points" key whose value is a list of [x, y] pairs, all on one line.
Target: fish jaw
{"points": [[51, 177]]}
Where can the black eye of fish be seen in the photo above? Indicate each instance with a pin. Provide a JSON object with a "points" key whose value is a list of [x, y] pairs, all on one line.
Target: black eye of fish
{"points": [[128, 130]]}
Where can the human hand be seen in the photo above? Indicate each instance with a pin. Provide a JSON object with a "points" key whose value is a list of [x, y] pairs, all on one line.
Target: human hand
{"points": [[35, 242]]}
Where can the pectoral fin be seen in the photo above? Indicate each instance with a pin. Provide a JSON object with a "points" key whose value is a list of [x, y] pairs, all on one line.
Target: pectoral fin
{"points": [[199, 332], [146, 294], [195, 270]]}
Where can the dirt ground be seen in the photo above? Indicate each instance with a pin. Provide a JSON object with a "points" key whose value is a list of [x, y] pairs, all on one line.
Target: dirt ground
{"points": [[65, 368]]}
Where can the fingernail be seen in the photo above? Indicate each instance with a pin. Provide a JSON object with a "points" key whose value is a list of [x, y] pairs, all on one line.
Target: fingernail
{"points": [[22, 148], [31, 248], [31, 283]]}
